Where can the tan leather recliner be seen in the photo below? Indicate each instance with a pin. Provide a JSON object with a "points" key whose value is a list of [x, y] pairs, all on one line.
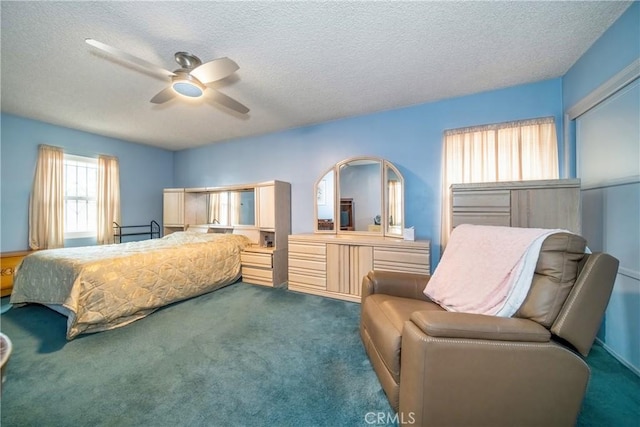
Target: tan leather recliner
{"points": [[441, 368]]}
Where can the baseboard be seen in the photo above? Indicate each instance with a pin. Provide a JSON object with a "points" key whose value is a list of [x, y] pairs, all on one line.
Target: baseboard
{"points": [[619, 358]]}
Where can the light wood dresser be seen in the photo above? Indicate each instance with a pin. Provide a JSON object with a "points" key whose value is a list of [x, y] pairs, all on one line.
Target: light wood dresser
{"points": [[8, 263], [535, 204], [333, 265]]}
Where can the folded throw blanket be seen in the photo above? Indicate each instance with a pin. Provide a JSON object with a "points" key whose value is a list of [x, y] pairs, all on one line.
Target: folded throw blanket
{"points": [[487, 269]]}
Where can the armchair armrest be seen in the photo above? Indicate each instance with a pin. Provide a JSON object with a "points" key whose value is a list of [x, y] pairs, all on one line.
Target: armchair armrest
{"points": [[406, 285], [479, 326]]}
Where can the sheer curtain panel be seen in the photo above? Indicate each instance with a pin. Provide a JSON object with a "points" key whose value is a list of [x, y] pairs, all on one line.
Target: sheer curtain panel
{"points": [[46, 204], [513, 151], [108, 198]]}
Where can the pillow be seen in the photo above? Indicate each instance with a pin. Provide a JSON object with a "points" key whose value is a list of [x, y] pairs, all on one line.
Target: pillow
{"points": [[555, 273]]}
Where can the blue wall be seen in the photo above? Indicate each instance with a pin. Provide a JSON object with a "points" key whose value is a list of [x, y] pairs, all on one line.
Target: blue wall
{"points": [[411, 138], [618, 47], [144, 172]]}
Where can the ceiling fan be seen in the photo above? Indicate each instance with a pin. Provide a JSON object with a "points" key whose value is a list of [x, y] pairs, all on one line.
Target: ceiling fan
{"points": [[190, 80]]}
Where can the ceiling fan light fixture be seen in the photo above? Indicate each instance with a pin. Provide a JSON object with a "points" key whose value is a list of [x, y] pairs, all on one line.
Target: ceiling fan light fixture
{"points": [[187, 89], [186, 85]]}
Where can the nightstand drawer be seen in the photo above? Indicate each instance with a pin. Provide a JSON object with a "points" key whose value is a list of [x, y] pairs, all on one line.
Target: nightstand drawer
{"points": [[257, 259], [257, 273]]}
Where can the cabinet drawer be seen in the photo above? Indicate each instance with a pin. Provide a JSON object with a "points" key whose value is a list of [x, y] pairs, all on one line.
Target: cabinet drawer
{"points": [[307, 278], [257, 276], [257, 273], [401, 256], [402, 259], [307, 264], [402, 268], [302, 249], [482, 218], [499, 200], [256, 259]]}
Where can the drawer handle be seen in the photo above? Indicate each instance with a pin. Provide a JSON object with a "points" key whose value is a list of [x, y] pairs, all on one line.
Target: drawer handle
{"points": [[8, 271]]}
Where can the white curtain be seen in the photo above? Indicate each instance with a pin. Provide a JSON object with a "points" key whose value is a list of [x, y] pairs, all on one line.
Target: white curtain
{"points": [[514, 151], [46, 204], [108, 198]]}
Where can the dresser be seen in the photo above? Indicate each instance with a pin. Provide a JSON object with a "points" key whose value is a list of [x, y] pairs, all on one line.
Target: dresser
{"points": [[534, 204], [333, 265], [8, 263]]}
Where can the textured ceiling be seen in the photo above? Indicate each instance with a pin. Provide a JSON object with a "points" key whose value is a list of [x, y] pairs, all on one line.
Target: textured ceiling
{"points": [[301, 63]]}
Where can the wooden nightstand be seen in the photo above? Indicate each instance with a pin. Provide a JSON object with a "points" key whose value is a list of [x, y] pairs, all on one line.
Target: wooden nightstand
{"points": [[264, 266], [8, 263]]}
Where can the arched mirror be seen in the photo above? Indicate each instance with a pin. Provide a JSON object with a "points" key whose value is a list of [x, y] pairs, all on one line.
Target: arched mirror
{"points": [[360, 195], [325, 206], [394, 190]]}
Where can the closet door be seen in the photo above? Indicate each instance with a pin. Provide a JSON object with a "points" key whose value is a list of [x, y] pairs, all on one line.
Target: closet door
{"points": [[608, 149]]}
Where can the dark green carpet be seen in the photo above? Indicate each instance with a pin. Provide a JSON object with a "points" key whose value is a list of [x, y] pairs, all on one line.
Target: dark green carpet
{"points": [[241, 356]]}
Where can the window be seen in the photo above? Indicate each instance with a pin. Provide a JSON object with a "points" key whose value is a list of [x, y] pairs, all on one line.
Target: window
{"points": [[514, 151], [80, 198]]}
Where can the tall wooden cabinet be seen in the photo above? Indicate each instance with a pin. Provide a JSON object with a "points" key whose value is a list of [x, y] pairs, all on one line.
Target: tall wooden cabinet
{"points": [[534, 204], [333, 265]]}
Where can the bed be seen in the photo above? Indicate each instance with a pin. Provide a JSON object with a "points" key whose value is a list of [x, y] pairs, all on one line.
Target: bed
{"points": [[105, 287]]}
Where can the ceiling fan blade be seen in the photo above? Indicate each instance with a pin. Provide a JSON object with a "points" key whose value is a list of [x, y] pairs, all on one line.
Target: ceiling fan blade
{"points": [[128, 57], [164, 96], [228, 102], [214, 70]]}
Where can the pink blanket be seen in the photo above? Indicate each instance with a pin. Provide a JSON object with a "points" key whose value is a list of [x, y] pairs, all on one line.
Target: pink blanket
{"points": [[487, 269]]}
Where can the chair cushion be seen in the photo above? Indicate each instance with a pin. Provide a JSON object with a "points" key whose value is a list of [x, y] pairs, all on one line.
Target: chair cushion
{"points": [[556, 272], [383, 317]]}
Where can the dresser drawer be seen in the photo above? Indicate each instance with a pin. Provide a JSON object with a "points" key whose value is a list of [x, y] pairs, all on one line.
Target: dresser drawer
{"points": [[482, 218], [307, 249], [499, 200], [307, 264], [401, 256], [307, 278]]}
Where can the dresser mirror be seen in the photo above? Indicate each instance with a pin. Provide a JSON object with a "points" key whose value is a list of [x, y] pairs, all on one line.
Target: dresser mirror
{"points": [[232, 208], [360, 195], [325, 202], [394, 190]]}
